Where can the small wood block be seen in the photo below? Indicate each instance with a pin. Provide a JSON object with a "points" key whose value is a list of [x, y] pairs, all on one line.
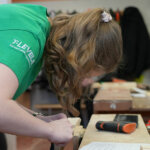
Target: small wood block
{"points": [[75, 121]]}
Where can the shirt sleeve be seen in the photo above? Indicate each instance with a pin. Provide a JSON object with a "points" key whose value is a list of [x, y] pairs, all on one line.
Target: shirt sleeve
{"points": [[19, 50]]}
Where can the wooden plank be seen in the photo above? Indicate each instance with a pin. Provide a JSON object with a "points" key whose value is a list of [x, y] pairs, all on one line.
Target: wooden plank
{"points": [[112, 106], [112, 99], [141, 103], [113, 94], [17, 1], [53, 106], [75, 121], [140, 135], [48, 106], [122, 85]]}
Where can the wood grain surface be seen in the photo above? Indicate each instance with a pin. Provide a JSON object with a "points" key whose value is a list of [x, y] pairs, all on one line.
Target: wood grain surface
{"points": [[140, 135]]}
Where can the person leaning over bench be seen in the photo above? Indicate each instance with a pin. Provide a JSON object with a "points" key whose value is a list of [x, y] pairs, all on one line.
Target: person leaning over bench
{"points": [[71, 48]]}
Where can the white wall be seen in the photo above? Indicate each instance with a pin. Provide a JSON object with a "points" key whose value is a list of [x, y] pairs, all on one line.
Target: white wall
{"points": [[5, 1], [82, 5]]}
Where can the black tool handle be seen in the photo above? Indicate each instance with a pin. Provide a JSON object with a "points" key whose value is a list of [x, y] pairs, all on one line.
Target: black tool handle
{"points": [[125, 127]]}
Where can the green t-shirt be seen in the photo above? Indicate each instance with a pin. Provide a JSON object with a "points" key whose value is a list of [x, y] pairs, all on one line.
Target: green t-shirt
{"points": [[24, 29]]}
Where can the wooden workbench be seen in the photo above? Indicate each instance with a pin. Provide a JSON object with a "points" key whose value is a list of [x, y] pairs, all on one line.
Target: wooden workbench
{"points": [[120, 102], [141, 103], [124, 102], [140, 135]]}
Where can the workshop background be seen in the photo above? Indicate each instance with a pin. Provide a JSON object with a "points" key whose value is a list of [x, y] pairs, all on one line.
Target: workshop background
{"points": [[134, 71]]}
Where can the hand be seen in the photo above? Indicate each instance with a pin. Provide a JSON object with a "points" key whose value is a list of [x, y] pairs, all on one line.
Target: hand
{"points": [[60, 131], [52, 118]]}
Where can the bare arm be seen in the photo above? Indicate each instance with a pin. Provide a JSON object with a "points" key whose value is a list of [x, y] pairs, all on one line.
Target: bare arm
{"points": [[15, 120], [26, 109]]}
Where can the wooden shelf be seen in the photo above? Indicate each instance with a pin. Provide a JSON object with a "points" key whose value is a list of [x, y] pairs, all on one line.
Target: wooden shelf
{"points": [[17, 1], [53, 106]]}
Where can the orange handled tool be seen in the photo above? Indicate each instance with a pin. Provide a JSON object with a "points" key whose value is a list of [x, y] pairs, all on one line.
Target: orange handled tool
{"points": [[126, 127]]}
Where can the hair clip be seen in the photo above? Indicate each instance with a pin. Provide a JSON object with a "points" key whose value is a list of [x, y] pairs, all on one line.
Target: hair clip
{"points": [[106, 17]]}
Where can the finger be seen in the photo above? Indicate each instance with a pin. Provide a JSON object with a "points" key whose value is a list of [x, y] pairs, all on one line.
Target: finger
{"points": [[59, 116], [62, 115]]}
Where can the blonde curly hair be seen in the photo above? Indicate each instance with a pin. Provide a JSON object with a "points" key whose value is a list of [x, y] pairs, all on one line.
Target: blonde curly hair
{"points": [[76, 45]]}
